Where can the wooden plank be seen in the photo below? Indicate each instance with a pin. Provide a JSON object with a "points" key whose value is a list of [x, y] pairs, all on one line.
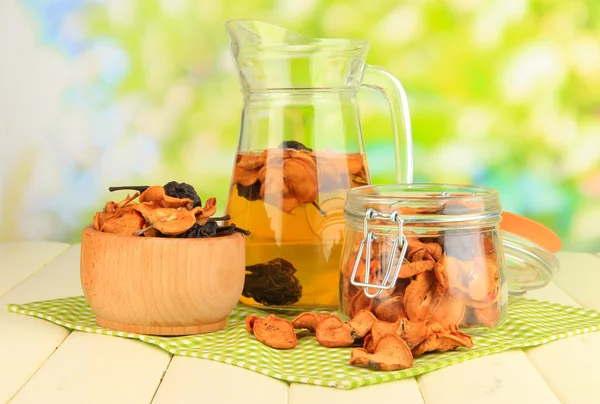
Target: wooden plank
{"points": [[59, 278], [401, 391], [62, 279], [193, 380], [552, 293], [507, 377], [91, 368], [501, 385], [579, 276], [86, 367], [18, 260], [26, 342], [569, 366]]}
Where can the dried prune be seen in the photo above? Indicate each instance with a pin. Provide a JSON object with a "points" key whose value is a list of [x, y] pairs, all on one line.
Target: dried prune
{"points": [[251, 192], [182, 190], [293, 144], [272, 283], [227, 230], [209, 229]]}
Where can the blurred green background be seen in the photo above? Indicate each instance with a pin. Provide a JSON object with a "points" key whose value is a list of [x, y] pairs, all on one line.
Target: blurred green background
{"points": [[502, 93]]}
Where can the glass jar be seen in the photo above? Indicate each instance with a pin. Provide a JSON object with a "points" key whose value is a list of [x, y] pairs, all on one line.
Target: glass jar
{"points": [[426, 252]]}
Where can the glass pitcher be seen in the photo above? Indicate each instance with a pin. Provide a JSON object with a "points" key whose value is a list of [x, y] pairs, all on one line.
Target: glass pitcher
{"points": [[300, 150]]}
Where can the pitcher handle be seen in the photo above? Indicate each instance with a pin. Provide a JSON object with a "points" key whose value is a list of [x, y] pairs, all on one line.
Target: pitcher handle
{"points": [[380, 80]]}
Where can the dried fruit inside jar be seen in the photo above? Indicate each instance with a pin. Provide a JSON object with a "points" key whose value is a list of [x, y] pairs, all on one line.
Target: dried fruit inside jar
{"points": [[291, 199], [450, 276]]}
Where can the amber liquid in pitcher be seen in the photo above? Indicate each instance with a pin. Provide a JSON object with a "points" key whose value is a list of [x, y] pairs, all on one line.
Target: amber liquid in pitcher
{"points": [[292, 202]]}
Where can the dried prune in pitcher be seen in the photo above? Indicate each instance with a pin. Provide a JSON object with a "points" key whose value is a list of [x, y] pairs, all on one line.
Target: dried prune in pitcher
{"points": [[272, 283]]}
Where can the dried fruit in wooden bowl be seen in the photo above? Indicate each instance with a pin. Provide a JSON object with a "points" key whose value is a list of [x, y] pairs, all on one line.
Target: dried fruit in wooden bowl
{"points": [[172, 210]]}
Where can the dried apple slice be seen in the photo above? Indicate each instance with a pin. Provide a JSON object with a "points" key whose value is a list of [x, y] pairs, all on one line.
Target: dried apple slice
{"points": [[419, 296], [124, 221], [250, 323], [443, 341], [251, 161], [333, 332], [168, 221], [308, 320], [391, 310], [156, 194], [391, 353], [275, 332], [359, 302], [411, 269], [381, 328], [361, 323]]}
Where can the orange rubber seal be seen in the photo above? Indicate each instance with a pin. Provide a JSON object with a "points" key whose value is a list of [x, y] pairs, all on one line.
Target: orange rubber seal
{"points": [[531, 230]]}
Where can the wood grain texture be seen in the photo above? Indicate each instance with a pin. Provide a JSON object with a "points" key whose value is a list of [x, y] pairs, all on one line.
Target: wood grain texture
{"points": [[562, 370], [26, 342], [18, 260], [90, 368], [193, 380], [552, 293], [568, 365], [401, 391], [579, 276], [163, 286], [507, 377]]}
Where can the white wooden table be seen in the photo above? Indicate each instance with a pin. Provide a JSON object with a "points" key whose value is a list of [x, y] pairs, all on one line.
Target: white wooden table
{"points": [[44, 363]]}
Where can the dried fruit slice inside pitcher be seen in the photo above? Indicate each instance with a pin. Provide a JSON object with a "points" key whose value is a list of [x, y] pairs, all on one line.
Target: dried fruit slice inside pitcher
{"points": [[292, 174]]}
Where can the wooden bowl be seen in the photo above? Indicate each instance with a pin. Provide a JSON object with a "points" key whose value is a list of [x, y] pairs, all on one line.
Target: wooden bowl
{"points": [[162, 286]]}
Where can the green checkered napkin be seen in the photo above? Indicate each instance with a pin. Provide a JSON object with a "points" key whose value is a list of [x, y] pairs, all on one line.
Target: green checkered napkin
{"points": [[529, 323]]}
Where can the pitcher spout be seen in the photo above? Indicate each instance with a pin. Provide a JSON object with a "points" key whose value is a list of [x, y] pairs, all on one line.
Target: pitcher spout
{"points": [[246, 33], [272, 57]]}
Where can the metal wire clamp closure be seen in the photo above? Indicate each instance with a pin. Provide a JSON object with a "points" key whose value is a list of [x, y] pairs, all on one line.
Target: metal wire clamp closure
{"points": [[389, 279]]}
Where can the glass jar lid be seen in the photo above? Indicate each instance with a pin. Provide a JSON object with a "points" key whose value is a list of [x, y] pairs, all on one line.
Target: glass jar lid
{"points": [[528, 265], [427, 203]]}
